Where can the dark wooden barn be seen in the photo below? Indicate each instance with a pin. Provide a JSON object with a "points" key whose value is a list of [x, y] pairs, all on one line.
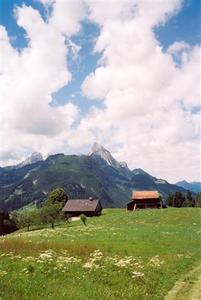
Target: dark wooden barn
{"points": [[144, 199], [89, 207]]}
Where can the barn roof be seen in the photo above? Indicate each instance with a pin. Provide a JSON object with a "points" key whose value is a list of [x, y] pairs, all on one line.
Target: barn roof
{"points": [[79, 205], [145, 195]]}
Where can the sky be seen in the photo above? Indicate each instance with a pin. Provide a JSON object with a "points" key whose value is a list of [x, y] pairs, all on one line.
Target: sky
{"points": [[125, 74]]}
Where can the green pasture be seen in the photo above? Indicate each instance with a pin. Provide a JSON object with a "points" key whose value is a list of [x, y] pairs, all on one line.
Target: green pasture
{"points": [[119, 255]]}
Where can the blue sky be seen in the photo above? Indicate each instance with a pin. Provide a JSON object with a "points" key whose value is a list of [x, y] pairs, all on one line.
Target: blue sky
{"points": [[141, 86], [185, 26], [85, 64]]}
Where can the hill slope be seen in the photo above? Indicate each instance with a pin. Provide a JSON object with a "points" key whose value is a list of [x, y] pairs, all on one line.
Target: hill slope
{"points": [[118, 255], [97, 174]]}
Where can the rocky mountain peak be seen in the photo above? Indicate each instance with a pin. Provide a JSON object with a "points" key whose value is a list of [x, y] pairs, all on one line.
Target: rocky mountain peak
{"points": [[33, 158], [100, 151], [123, 164], [139, 171]]}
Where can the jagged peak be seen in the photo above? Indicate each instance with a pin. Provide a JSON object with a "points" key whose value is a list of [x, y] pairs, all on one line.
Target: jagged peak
{"points": [[96, 148], [100, 151], [33, 158], [36, 155], [139, 171], [123, 164]]}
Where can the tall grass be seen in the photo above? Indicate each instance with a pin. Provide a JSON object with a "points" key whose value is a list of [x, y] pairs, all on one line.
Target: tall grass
{"points": [[119, 255]]}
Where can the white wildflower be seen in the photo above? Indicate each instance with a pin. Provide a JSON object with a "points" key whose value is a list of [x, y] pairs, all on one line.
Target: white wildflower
{"points": [[155, 261], [28, 259], [91, 263], [3, 273], [136, 274], [180, 255], [47, 255], [124, 262]]}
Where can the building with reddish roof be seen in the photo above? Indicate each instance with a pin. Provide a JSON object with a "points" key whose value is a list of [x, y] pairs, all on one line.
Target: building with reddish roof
{"points": [[144, 199]]}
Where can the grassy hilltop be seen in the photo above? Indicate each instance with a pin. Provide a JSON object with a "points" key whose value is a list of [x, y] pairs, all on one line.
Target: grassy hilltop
{"points": [[119, 255]]}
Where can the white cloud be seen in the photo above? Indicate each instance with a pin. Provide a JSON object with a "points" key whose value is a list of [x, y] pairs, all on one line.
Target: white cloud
{"points": [[177, 47], [148, 97], [180, 52], [66, 16], [28, 79]]}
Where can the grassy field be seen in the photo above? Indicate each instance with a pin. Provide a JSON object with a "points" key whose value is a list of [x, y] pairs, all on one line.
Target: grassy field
{"points": [[116, 256]]}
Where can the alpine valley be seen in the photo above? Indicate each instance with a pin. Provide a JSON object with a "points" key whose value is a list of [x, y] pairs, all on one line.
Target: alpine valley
{"points": [[97, 174]]}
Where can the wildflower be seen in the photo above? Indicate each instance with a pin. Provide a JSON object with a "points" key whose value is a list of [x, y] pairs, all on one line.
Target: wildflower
{"points": [[67, 260], [180, 255], [111, 259], [3, 273], [155, 261], [136, 274], [47, 255], [28, 258], [40, 261], [124, 262], [90, 265], [95, 256]]}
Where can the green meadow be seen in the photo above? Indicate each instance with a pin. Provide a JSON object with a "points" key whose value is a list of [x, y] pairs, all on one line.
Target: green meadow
{"points": [[118, 255]]}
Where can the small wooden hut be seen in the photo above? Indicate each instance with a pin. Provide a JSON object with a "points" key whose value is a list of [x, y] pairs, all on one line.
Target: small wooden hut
{"points": [[144, 199], [89, 207]]}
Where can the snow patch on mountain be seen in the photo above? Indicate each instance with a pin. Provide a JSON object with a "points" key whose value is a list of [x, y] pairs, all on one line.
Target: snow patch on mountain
{"points": [[160, 181]]}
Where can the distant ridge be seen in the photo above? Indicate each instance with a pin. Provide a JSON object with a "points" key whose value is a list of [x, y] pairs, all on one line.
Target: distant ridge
{"points": [[98, 175], [191, 186], [33, 158]]}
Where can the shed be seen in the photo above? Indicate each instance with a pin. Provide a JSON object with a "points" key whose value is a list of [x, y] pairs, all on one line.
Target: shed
{"points": [[89, 207], [144, 199]]}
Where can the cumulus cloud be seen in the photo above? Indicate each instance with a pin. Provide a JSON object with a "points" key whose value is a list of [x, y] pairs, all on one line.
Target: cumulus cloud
{"points": [[28, 79], [150, 96]]}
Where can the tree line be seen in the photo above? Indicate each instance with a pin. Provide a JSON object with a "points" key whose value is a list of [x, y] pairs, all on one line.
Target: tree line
{"points": [[180, 200], [48, 213]]}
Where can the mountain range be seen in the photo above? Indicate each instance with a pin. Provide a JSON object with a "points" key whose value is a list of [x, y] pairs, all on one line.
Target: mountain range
{"points": [[97, 174], [191, 186]]}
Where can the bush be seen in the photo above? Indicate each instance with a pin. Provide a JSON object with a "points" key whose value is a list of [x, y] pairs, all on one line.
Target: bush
{"points": [[198, 200], [50, 214], [83, 218], [26, 218], [7, 223], [58, 195]]}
